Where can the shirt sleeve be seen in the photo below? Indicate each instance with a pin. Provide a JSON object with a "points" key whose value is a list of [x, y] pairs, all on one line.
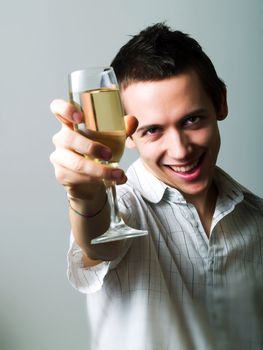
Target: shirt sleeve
{"points": [[89, 280], [85, 279]]}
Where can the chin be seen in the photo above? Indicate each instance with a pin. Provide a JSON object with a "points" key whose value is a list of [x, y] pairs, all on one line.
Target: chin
{"points": [[193, 189]]}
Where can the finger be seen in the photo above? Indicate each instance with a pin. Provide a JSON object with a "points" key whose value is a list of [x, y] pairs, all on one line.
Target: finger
{"points": [[69, 178], [131, 124], [67, 138], [93, 171], [66, 112]]}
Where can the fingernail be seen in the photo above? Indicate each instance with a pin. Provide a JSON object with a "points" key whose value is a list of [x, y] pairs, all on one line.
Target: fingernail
{"points": [[105, 153], [76, 117], [117, 173]]}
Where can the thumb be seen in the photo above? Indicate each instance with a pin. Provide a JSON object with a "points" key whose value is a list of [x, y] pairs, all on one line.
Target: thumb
{"points": [[65, 112], [131, 124]]}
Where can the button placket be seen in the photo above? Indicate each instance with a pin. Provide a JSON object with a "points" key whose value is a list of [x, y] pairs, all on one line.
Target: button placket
{"points": [[200, 235]]}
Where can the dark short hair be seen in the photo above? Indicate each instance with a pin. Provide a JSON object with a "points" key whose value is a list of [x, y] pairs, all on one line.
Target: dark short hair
{"points": [[158, 53]]}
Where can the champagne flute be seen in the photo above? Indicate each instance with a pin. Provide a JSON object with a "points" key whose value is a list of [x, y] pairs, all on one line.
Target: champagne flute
{"points": [[94, 91]]}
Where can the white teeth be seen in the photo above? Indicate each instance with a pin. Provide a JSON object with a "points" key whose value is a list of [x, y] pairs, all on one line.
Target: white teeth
{"points": [[184, 169]]}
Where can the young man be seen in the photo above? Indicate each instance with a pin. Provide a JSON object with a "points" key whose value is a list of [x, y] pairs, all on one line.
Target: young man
{"points": [[195, 282]]}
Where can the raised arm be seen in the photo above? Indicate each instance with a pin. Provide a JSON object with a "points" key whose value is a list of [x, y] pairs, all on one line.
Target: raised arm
{"points": [[82, 179]]}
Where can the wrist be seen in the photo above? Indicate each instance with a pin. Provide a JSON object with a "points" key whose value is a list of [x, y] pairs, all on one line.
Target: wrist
{"points": [[88, 213], [88, 206]]}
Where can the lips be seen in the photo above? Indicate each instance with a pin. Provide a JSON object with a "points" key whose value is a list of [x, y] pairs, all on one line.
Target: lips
{"points": [[190, 172], [186, 169]]}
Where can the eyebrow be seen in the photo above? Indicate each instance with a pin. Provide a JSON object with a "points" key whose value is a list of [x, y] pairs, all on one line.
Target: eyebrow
{"points": [[154, 125]]}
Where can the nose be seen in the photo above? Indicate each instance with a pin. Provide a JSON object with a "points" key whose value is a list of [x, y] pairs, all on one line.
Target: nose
{"points": [[178, 146]]}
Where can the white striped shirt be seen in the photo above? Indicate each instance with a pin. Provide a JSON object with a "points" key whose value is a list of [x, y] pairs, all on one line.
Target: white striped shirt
{"points": [[176, 288]]}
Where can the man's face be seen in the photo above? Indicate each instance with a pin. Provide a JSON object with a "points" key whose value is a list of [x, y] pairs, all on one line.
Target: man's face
{"points": [[177, 135]]}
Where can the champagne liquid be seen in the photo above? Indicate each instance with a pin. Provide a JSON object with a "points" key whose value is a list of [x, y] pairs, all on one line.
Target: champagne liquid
{"points": [[115, 140], [103, 118]]}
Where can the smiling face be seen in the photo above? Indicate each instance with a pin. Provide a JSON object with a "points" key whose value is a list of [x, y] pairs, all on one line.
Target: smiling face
{"points": [[177, 135]]}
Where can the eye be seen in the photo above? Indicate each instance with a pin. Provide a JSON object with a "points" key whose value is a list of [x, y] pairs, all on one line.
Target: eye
{"points": [[152, 130], [192, 120]]}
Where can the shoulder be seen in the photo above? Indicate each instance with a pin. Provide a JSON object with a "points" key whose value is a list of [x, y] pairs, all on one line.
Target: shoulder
{"points": [[132, 190], [133, 197], [254, 201], [130, 197], [250, 199], [143, 183]]}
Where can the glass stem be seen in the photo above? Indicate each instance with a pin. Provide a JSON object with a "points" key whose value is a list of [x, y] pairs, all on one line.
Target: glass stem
{"points": [[112, 198]]}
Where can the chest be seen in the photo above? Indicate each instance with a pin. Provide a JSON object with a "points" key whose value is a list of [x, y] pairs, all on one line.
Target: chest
{"points": [[180, 247]]}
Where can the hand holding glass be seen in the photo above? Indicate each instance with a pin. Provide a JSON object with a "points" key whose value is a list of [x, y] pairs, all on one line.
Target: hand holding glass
{"points": [[95, 92]]}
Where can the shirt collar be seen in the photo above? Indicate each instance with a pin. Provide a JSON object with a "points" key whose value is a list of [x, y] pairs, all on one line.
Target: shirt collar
{"points": [[230, 191], [152, 189]]}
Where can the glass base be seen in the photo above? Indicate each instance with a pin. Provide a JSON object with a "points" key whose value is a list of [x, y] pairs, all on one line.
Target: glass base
{"points": [[118, 232]]}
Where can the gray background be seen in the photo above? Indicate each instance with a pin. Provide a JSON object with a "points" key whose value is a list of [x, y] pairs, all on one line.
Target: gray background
{"points": [[41, 41]]}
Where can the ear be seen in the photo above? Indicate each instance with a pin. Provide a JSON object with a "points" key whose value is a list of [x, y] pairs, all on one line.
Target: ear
{"points": [[129, 143], [223, 110]]}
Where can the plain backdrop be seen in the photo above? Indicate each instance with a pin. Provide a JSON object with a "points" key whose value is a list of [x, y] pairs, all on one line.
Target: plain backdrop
{"points": [[41, 41]]}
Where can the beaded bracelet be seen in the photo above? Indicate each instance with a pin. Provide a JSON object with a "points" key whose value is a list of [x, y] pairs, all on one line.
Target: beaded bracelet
{"points": [[87, 216]]}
